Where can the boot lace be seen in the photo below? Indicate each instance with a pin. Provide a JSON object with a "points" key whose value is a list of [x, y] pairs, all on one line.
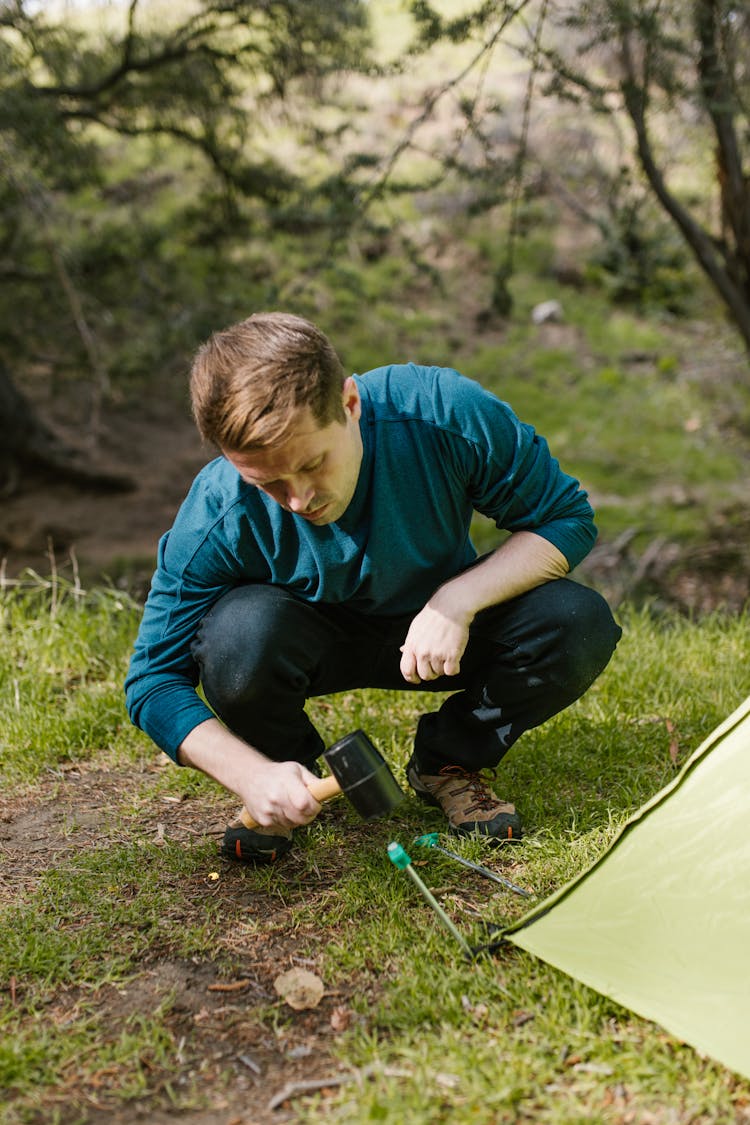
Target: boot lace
{"points": [[481, 799]]}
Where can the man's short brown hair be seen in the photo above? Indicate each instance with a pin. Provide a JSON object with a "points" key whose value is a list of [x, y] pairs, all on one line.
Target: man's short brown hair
{"points": [[248, 381]]}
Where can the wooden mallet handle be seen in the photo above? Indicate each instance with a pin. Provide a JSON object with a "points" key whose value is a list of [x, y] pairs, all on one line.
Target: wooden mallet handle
{"points": [[322, 789]]}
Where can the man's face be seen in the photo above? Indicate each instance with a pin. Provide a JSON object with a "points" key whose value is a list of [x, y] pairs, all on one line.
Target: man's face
{"points": [[314, 473]]}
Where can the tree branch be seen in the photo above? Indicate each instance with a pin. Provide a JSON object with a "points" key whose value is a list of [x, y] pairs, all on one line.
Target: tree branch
{"points": [[35, 198], [375, 188], [635, 97], [719, 103]]}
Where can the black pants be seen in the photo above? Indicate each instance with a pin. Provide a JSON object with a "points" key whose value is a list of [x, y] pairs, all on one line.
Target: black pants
{"points": [[262, 652]]}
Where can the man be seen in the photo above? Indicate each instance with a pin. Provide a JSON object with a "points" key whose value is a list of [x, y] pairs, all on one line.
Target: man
{"points": [[328, 549]]}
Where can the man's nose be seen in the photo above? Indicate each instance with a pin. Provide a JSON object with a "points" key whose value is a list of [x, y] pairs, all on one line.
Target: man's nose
{"points": [[299, 493]]}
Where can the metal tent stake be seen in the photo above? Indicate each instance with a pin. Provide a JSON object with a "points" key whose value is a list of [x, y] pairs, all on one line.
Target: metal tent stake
{"points": [[430, 841], [400, 859]]}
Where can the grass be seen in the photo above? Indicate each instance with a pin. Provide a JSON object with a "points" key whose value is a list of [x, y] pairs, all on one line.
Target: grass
{"points": [[116, 934], [61, 674]]}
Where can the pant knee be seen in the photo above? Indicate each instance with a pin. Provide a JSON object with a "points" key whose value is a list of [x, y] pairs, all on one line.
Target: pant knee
{"points": [[240, 647], [588, 632], [591, 616], [560, 633]]}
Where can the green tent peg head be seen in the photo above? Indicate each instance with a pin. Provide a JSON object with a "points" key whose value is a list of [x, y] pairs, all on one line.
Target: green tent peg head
{"points": [[398, 857]]}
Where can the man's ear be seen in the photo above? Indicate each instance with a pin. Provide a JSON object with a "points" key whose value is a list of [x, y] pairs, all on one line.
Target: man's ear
{"points": [[351, 400]]}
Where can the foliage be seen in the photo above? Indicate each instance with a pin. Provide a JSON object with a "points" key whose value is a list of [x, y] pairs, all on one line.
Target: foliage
{"points": [[683, 85], [421, 210], [672, 86], [96, 227], [150, 154], [640, 260]]}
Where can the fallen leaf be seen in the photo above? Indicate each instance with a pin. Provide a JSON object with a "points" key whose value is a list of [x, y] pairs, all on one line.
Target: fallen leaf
{"points": [[674, 746], [341, 1018], [299, 988]]}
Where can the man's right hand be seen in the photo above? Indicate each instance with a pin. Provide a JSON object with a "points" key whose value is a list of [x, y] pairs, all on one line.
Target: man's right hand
{"points": [[277, 794], [274, 793]]}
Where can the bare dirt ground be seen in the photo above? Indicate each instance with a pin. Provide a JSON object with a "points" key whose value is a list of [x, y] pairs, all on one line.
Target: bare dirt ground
{"points": [[109, 534], [231, 1066]]}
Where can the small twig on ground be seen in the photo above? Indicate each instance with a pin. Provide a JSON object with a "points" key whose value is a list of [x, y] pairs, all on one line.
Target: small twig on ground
{"points": [[250, 1063], [312, 1085], [230, 986]]}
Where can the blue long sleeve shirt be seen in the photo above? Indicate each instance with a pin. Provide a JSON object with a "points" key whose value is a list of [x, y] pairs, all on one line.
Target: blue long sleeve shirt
{"points": [[436, 448]]}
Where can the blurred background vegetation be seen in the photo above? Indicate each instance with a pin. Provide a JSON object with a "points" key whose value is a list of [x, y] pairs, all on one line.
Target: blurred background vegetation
{"points": [[551, 196]]}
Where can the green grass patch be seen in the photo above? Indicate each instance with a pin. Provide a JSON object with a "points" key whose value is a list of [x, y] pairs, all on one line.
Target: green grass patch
{"points": [[62, 666], [62, 933], [648, 444]]}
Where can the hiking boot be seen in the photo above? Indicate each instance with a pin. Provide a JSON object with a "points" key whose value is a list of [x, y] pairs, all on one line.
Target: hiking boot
{"points": [[255, 845], [470, 805]]}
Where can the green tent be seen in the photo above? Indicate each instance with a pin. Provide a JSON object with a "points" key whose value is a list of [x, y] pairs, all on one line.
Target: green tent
{"points": [[661, 922]]}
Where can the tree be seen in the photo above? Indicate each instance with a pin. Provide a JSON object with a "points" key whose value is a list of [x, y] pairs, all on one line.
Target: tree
{"points": [[673, 68], [80, 277], [675, 71]]}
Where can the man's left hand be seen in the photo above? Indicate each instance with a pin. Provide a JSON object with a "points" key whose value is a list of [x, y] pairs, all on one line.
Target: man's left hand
{"points": [[434, 645]]}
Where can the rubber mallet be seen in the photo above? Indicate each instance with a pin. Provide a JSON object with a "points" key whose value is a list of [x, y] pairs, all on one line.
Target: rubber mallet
{"points": [[360, 773]]}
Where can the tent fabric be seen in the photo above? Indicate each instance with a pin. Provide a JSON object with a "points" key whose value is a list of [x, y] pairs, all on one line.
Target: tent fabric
{"points": [[661, 922]]}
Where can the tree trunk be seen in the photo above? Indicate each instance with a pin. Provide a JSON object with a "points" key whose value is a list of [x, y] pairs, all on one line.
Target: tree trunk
{"points": [[707, 252], [29, 444]]}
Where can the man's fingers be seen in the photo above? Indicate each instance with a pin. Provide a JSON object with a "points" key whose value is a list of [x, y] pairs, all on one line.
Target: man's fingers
{"points": [[288, 801], [426, 669], [409, 666], [418, 669], [302, 799]]}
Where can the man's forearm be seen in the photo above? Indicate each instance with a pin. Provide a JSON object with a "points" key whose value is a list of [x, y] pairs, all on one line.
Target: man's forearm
{"points": [[274, 793], [438, 635], [215, 751], [524, 560]]}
